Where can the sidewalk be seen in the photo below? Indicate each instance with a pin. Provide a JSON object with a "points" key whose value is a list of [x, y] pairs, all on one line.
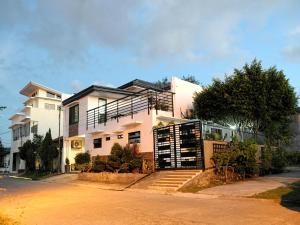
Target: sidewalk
{"points": [[254, 186]]}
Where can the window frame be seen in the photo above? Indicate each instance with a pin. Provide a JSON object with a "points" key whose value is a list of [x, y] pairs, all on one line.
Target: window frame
{"points": [[136, 139], [73, 119], [99, 144]]}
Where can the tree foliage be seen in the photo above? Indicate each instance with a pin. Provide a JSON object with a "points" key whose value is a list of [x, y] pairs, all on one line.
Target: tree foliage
{"points": [[29, 152], [252, 97], [48, 152], [191, 78]]}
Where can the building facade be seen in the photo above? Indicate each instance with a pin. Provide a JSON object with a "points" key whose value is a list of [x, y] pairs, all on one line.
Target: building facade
{"points": [[41, 112], [97, 117]]}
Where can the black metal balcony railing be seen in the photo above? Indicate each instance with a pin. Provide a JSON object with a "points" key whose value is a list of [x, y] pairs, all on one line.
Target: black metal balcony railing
{"points": [[128, 106]]}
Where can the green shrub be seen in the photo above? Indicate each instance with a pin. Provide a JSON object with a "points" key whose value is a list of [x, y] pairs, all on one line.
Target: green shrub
{"points": [[83, 158], [82, 161], [124, 168], [136, 164], [98, 165], [239, 157], [293, 158], [279, 161]]}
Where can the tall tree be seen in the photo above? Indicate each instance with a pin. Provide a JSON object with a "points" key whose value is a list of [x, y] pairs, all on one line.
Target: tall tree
{"points": [[252, 97], [48, 152], [191, 78], [29, 152]]}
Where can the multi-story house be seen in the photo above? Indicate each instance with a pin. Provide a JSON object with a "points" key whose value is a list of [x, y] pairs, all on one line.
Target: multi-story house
{"points": [[41, 112], [97, 117]]}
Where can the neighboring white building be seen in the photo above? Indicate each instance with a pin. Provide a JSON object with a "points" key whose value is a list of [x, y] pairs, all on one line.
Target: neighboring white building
{"points": [[97, 117], [40, 112]]}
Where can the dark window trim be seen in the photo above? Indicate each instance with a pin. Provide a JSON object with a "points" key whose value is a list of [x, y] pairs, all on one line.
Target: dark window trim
{"points": [[72, 118], [99, 144], [134, 140]]}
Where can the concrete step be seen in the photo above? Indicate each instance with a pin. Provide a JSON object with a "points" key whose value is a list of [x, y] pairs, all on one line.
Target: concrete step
{"points": [[169, 182], [180, 176], [165, 185]]}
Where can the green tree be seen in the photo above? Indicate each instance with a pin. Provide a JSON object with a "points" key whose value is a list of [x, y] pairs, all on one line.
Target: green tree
{"points": [[191, 78], [48, 152], [252, 97], [29, 152], [2, 149], [163, 83]]}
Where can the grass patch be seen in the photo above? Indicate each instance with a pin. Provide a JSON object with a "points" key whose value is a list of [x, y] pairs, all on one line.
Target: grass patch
{"points": [[289, 194], [4, 220], [37, 175]]}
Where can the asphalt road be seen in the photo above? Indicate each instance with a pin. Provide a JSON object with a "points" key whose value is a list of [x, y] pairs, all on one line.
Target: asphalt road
{"points": [[44, 203]]}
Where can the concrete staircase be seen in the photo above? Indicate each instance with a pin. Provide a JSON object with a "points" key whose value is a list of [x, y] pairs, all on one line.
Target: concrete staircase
{"points": [[174, 179]]}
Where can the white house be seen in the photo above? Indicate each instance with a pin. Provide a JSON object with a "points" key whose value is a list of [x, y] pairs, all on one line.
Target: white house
{"points": [[97, 117], [40, 112]]}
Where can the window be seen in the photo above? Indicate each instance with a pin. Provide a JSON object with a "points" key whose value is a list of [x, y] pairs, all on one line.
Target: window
{"points": [[50, 95], [120, 136], [102, 110], [34, 129], [74, 114], [58, 96], [16, 134], [98, 143], [49, 106], [107, 138], [134, 137]]}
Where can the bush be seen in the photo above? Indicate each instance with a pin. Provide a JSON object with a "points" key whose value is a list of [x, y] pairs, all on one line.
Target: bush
{"points": [[279, 161], [293, 158], [98, 165], [274, 160], [240, 157], [82, 161], [83, 158]]}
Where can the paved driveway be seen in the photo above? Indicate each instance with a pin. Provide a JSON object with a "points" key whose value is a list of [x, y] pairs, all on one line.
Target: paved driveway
{"points": [[255, 186], [34, 202]]}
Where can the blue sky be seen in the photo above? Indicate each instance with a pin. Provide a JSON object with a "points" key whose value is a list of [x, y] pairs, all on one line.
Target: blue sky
{"points": [[71, 44]]}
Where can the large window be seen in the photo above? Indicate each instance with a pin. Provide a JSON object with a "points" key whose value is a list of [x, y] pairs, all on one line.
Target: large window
{"points": [[49, 106], [74, 114], [102, 110], [34, 129], [134, 137], [98, 143]]}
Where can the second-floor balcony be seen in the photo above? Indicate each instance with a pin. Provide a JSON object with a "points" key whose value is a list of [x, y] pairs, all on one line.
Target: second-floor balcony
{"points": [[149, 99]]}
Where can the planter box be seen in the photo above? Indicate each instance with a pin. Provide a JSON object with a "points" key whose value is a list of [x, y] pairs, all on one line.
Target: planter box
{"points": [[111, 178]]}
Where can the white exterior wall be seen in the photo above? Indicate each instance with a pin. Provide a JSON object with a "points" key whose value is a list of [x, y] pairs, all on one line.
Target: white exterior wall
{"points": [[37, 114], [141, 121], [184, 93]]}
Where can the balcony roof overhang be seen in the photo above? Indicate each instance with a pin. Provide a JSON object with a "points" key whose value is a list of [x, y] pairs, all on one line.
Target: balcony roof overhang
{"points": [[132, 123], [96, 88], [32, 87]]}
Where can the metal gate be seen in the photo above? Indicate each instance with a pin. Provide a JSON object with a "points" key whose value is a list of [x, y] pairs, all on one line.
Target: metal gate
{"points": [[179, 146]]}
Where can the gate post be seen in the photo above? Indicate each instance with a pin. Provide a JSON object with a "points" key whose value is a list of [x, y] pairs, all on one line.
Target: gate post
{"points": [[175, 149]]}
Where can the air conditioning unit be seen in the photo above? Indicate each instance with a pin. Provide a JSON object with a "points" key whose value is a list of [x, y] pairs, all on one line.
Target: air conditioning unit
{"points": [[76, 144]]}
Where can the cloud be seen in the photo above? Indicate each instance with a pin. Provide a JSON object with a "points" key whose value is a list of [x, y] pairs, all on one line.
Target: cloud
{"points": [[292, 52], [76, 85], [151, 30]]}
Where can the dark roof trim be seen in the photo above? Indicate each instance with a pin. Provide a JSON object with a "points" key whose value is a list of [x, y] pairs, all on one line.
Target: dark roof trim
{"points": [[139, 83], [92, 88]]}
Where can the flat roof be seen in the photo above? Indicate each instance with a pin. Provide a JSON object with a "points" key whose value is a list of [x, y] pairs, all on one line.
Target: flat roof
{"points": [[92, 88], [32, 86]]}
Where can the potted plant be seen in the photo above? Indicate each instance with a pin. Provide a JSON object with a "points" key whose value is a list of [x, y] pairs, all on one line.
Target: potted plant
{"points": [[67, 166]]}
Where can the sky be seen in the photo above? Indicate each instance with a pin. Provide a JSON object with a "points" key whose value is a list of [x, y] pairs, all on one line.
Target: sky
{"points": [[70, 44]]}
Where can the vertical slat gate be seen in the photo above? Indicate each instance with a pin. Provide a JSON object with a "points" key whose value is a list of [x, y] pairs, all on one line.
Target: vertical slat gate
{"points": [[179, 146]]}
